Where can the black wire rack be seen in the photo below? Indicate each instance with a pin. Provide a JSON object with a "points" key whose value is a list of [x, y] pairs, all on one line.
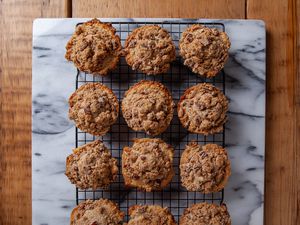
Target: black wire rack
{"points": [[178, 79]]}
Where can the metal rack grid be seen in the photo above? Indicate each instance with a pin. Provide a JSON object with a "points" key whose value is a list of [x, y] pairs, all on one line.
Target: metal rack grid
{"points": [[178, 79]]}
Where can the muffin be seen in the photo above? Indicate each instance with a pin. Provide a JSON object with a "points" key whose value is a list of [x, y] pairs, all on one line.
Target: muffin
{"points": [[202, 109], [204, 49], [148, 164], [148, 106], [149, 49], [204, 168], [94, 47], [94, 108], [91, 166], [101, 211], [205, 214], [150, 215]]}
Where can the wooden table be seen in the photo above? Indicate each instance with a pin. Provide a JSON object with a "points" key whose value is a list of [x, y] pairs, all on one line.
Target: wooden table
{"points": [[282, 196]]}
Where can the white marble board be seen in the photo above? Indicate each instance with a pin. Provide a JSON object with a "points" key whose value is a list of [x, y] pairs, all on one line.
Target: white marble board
{"points": [[53, 80]]}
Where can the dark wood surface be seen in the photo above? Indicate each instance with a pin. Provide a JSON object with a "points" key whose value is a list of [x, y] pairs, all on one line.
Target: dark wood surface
{"points": [[282, 196]]}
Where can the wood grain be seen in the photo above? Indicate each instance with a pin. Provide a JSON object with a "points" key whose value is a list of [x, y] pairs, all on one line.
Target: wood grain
{"points": [[159, 8], [15, 104], [283, 132], [297, 116], [282, 203]]}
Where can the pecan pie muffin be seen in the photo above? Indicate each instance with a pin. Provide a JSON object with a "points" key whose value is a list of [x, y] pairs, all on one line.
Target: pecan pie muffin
{"points": [[150, 215], [99, 212], [205, 214], [148, 164], [148, 106], [94, 47], [204, 168], [150, 50], [204, 49], [94, 108], [91, 166], [202, 109]]}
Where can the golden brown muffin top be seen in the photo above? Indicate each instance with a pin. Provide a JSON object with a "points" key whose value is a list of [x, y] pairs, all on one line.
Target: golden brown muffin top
{"points": [[150, 215], [148, 164], [94, 47], [99, 212], [91, 166], [94, 108], [205, 214], [204, 49], [202, 109], [204, 168], [150, 50], [148, 106]]}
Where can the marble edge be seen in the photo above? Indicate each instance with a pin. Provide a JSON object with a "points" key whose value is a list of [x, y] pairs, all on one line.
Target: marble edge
{"points": [[37, 22], [141, 19]]}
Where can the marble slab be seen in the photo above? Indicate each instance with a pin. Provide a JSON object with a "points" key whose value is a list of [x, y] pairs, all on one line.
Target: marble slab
{"points": [[53, 80]]}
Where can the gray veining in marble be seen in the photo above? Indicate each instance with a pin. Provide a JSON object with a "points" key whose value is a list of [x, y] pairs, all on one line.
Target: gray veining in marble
{"points": [[53, 134]]}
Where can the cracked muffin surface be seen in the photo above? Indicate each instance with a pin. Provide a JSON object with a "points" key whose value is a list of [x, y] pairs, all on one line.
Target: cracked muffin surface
{"points": [[148, 164], [94, 47], [91, 166], [99, 212], [148, 106], [150, 49], [205, 214], [94, 108], [202, 109], [204, 49], [150, 215], [204, 168]]}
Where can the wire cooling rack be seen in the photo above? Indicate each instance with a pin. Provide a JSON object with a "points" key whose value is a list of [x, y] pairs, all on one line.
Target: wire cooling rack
{"points": [[178, 79]]}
